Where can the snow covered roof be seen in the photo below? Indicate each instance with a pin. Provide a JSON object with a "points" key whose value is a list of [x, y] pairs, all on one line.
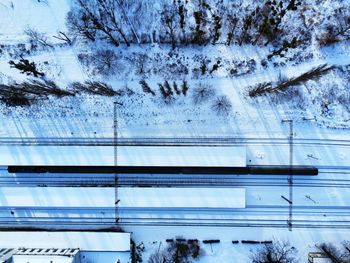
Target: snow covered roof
{"points": [[217, 156], [58, 197], [69, 252], [43, 259], [85, 241], [203, 156], [40, 255], [6, 254], [182, 197]]}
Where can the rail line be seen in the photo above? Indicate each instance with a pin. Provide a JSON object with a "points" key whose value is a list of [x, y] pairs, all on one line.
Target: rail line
{"points": [[154, 141], [52, 180], [255, 216]]}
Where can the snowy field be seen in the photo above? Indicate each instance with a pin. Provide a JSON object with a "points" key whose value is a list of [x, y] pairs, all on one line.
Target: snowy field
{"points": [[144, 115]]}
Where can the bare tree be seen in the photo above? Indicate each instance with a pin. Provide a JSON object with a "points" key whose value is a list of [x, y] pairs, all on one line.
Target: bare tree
{"points": [[232, 24], [98, 16], [36, 38], [105, 62], [170, 23], [79, 23], [277, 252], [334, 253], [64, 37]]}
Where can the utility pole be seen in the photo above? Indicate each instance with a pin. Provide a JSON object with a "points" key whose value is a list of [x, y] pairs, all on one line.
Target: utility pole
{"points": [[290, 176], [116, 177]]}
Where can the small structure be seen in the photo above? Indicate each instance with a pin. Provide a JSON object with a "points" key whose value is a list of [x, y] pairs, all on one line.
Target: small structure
{"points": [[6, 255], [318, 257], [53, 247], [42, 255]]}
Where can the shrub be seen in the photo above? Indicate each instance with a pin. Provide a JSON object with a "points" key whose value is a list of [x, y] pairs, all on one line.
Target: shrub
{"points": [[105, 62], [260, 89], [178, 251], [146, 88], [202, 93], [26, 67], [16, 100], [94, 88], [176, 89], [222, 105], [166, 91], [184, 87]]}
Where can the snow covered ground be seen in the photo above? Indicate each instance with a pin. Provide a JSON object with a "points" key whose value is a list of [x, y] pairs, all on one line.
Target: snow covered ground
{"points": [[143, 115], [154, 237]]}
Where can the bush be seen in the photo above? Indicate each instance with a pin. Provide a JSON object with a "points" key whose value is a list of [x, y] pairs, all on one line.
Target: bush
{"points": [[222, 105], [166, 91], [22, 94], [178, 251], [26, 67], [184, 87], [16, 100], [94, 88], [202, 93], [146, 88], [105, 62]]}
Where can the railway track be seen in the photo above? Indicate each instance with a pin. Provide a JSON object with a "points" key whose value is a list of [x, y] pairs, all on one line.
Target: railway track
{"points": [[255, 216], [127, 180], [154, 141]]}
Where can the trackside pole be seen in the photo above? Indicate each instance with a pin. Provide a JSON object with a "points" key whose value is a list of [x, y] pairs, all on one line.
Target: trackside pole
{"points": [[116, 177], [290, 177]]}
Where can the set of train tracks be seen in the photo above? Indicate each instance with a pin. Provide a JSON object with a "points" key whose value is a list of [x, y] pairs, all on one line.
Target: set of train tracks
{"points": [[158, 141], [255, 216], [252, 216], [143, 180]]}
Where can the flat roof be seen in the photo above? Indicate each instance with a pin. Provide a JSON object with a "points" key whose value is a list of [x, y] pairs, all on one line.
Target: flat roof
{"points": [[163, 156], [57, 197], [182, 197], [85, 241]]}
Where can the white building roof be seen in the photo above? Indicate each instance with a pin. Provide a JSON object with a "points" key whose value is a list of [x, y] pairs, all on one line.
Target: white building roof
{"points": [[49, 255], [56, 197], [182, 197], [85, 241], [217, 156]]}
